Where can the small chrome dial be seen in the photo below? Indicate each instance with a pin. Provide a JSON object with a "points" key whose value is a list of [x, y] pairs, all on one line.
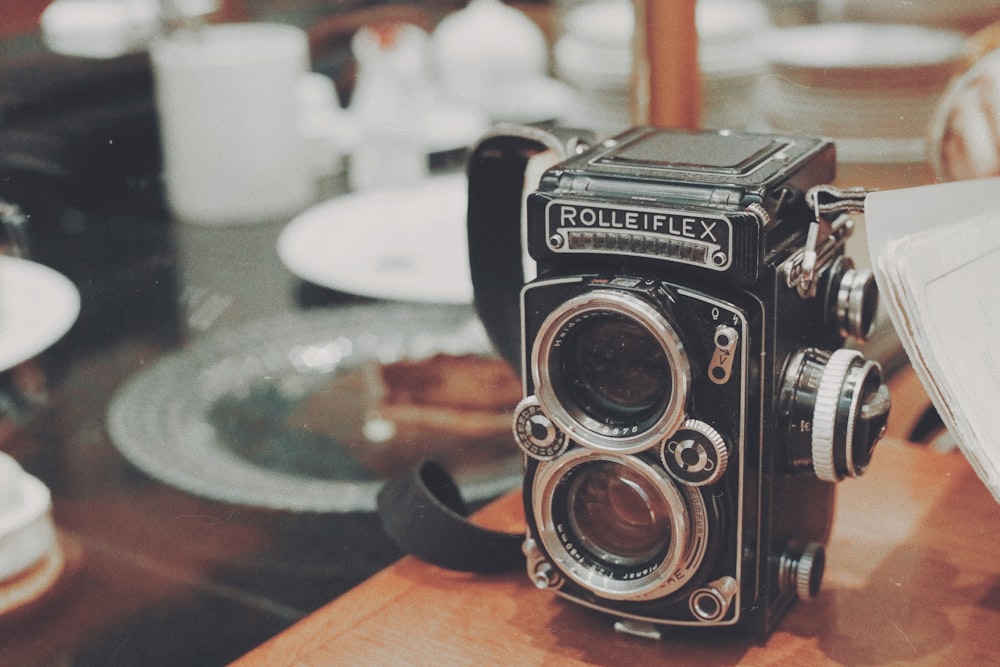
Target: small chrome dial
{"points": [[695, 455], [800, 570], [851, 301], [535, 433]]}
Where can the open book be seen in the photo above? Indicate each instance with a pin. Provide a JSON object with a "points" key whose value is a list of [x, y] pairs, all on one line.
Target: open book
{"points": [[936, 255]]}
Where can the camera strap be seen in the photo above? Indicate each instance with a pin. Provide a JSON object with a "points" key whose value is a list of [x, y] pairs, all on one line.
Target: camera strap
{"points": [[424, 514], [496, 171]]}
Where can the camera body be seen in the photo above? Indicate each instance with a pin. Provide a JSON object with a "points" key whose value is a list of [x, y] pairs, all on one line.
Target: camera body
{"points": [[688, 400]]}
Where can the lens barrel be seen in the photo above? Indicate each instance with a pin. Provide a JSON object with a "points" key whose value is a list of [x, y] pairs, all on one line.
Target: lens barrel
{"points": [[618, 525]]}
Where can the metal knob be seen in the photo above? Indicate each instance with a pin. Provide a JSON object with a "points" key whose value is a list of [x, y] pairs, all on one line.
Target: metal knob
{"points": [[535, 433], [696, 454], [801, 569], [711, 602], [851, 301], [850, 415], [541, 572], [835, 408]]}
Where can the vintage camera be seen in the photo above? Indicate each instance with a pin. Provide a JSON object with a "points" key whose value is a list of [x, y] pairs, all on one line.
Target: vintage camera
{"points": [[688, 399]]}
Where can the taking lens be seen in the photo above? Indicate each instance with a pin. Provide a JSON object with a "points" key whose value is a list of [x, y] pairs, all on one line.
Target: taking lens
{"points": [[618, 526], [618, 515], [614, 369]]}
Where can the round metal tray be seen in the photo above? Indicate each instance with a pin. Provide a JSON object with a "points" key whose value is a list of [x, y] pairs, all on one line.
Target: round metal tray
{"points": [[272, 414]]}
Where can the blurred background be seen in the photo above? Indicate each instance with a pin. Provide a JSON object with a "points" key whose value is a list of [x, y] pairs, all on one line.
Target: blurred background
{"points": [[232, 261]]}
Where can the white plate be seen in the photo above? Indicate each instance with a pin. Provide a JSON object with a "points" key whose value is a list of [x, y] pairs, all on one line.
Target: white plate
{"points": [[405, 244], [37, 306]]}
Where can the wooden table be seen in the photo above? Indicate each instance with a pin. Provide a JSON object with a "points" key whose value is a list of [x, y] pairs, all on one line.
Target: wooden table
{"points": [[913, 576]]}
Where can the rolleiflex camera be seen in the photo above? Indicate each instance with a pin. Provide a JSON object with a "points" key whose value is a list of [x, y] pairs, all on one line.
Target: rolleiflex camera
{"points": [[688, 399]]}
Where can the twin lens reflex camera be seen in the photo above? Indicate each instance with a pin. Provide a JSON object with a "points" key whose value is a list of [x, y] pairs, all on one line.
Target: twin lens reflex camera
{"points": [[689, 402]]}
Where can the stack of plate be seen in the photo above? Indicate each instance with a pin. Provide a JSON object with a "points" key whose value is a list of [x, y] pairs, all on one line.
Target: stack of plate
{"points": [[732, 55], [967, 15], [871, 87], [31, 559], [593, 55]]}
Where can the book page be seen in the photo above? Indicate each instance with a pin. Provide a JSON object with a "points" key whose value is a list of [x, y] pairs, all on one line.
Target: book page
{"points": [[936, 254]]}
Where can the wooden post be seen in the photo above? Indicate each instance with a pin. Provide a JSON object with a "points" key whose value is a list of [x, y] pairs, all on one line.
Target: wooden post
{"points": [[667, 84]]}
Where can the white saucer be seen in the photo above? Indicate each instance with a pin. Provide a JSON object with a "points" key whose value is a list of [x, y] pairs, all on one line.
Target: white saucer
{"points": [[405, 244], [37, 306]]}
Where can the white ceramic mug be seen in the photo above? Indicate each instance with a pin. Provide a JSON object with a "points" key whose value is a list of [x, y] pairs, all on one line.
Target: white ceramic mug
{"points": [[229, 110]]}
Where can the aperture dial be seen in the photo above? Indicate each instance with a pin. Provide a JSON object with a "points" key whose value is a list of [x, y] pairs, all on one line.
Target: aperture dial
{"points": [[835, 408], [535, 433]]}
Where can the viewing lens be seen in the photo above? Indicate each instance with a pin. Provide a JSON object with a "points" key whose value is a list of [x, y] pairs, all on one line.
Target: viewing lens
{"points": [[610, 371], [615, 370], [618, 515]]}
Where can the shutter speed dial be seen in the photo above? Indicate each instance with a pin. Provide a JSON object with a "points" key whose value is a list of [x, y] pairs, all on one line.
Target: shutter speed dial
{"points": [[835, 408]]}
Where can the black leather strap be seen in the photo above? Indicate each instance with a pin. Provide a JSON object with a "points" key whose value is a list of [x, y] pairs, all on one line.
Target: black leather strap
{"points": [[424, 514], [496, 182]]}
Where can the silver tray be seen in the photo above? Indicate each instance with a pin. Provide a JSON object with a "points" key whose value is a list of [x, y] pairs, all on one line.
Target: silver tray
{"points": [[271, 414]]}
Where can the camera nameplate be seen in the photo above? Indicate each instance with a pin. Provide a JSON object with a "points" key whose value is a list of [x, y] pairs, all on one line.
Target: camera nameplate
{"points": [[680, 236]]}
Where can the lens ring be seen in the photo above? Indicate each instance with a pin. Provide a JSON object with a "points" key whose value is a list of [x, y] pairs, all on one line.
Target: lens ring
{"points": [[561, 406], [664, 568]]}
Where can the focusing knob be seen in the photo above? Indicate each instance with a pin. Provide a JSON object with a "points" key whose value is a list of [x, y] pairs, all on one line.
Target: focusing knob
{"points": [[836, 408], [852, 408], [535, 433], [695, 454]]}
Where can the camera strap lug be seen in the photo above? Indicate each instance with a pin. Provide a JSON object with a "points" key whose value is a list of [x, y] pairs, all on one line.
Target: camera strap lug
{"points": [[823, 237], [827, 199]]}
